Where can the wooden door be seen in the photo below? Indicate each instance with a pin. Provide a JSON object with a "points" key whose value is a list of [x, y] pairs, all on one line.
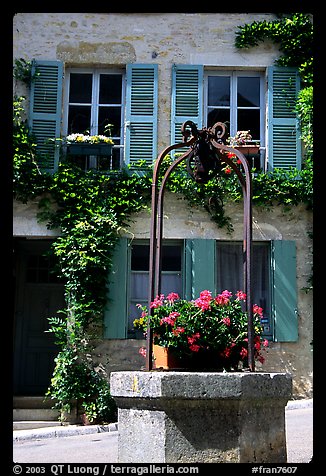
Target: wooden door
{"points": [[39, 295]]}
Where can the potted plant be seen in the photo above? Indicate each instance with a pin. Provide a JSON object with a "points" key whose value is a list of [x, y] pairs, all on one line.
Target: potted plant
{"points": [[243, 142], [208, 333]]}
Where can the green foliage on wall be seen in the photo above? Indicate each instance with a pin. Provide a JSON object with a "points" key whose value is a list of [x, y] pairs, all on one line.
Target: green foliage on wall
{"points": [[293, 33]]}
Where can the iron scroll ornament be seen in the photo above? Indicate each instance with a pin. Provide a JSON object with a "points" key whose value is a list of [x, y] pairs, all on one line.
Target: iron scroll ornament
{"points": [[204, 160]]}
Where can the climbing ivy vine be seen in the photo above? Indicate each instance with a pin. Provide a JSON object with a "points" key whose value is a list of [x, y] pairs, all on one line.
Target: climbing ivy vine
{"points": [[90, 208]]}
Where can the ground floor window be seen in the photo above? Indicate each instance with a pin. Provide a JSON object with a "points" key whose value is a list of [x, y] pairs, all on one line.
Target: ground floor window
{"points": [[139, 275], [190, 266]]}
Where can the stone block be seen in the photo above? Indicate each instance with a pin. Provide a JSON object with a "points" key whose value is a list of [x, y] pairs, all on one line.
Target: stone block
{"points": [[201, 417]]}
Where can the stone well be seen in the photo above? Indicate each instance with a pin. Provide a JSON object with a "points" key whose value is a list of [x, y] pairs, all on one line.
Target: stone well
{"points": [[202, 417]]}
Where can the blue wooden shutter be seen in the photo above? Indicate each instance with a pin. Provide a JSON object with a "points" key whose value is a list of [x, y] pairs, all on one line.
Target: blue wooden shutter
{"points": [[200, 264], [187, 98], [45, 111], [284, 293], [115, 316], [141, 112], [284, 145]]}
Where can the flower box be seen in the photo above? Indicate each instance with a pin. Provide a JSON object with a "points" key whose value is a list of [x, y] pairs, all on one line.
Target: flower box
{"points": [[90, 149], [248, 149]]}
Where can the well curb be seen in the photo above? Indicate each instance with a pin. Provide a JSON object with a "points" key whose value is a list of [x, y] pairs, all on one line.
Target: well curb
{"points": [[74, 430]]}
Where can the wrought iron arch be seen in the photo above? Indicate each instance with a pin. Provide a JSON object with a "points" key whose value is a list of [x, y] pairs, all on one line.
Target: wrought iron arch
{"points": [[204, 157]]}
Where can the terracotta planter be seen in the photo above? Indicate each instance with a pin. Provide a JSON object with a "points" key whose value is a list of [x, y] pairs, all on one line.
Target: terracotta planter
{"points": [[165, 358], [248, 150]]}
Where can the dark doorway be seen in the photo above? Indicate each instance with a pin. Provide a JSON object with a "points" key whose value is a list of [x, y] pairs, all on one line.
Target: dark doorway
{"points": [[38, 295]]}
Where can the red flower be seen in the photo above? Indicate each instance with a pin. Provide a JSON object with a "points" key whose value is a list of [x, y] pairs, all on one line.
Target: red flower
{"points": [[258, 310], [158, 301], [204, 300], [178, 330], [226, 320], [194, 347], [241, 296], [223, 298], [243, 353], [193, 339], [170, 319], [172, 297], [227, 170], [231, 155]]}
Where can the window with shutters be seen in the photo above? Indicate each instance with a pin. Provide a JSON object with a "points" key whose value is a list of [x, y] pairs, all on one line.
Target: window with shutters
{"points": [[260, 101], [95, 105], [192, 265]]}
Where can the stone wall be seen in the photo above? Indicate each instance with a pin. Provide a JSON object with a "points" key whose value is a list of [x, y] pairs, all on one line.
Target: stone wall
{"points": [[181, 221], [115, 39]]}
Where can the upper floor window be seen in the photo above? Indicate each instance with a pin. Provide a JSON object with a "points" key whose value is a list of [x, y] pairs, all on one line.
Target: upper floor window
{"points": [[95, 105], [236, 98]]}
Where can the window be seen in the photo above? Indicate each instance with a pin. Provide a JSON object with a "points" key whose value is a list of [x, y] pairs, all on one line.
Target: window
{"points": [[192, 265], [236, 98], [95, 106], [171, 276], [230, 274]]}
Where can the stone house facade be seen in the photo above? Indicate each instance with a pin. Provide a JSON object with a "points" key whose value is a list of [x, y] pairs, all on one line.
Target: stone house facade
{"points": [[181, 66]]}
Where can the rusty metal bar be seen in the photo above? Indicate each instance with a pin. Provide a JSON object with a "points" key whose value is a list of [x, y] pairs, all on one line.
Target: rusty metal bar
{"points": [[153, 272]]}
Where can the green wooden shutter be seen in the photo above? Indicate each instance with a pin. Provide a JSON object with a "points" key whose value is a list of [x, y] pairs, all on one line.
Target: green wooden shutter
{"points": [[284, 145], [45, 111], [187, 98], [141, 112], [284, 293], [200, 264], [115, 316]]}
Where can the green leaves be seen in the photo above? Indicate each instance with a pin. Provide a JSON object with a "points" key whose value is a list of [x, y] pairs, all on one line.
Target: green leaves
{"points": [[294, 35]]}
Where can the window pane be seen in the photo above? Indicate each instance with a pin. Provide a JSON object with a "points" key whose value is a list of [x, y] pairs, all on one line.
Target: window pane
{"points": [[171, 278], [218, 91], [171, 283], [171, 258], [140, 258], [229, 267], [248, 92], [230, 274], [110, 89], [218, 115], [249, 119], [80, 88], [109, 115], [79, 119], [139, 286]]}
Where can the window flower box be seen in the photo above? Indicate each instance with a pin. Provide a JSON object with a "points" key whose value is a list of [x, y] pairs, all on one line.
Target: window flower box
{"points": [[102, 149], [248, 149]]}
